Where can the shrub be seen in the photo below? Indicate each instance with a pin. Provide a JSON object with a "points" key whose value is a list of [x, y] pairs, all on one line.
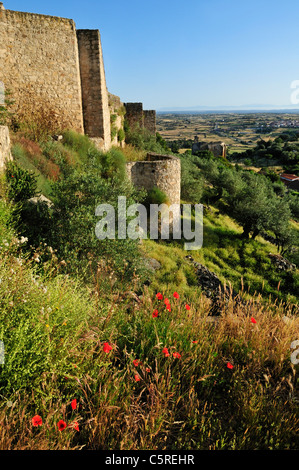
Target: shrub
{"points": [[121, 135], [155, 196], [21, 183]]}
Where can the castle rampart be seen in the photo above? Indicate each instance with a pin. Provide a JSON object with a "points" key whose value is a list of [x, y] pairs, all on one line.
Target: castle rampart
{"points": [[136, 116], [39, 64], [94, 90]]}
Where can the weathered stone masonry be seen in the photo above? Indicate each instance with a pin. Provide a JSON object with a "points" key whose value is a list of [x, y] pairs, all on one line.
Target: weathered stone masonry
{"points": [[43, 59], [94, 90], [136, 116], [161, 171], [39, 63]]}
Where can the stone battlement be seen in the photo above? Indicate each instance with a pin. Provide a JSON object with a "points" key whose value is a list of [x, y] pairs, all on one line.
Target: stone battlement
{"points": [[46, 63]]}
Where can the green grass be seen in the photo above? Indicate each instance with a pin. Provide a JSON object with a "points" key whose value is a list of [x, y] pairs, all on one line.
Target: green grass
{"points": [[54, 328], [243, 263], [54, 331]]}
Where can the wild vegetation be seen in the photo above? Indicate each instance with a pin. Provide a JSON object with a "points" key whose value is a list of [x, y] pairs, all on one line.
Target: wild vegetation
{"points": [[100, 352]]}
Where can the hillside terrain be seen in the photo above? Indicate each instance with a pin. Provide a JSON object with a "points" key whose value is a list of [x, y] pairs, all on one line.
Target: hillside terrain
{"points": [[119, 344]]}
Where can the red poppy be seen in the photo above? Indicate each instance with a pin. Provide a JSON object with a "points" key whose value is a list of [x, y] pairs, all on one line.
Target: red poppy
{"points": [[107, 348], [76, 426], [168, 307], [147, 369], [253, 320], [137, 378], [194, 342], [37, 421], [136, 362], [159, 296], [188, 307], [176, 295], [177, 355], [166, 301], [229, 365], [74, 404], [165, 352], [155, 314], [61, 425]]}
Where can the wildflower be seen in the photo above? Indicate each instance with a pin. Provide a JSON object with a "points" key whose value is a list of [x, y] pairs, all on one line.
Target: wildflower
{"points": [[76, 426], [188, 307], [37, 421], [176, 295], [168, 307], [107, 348], [229, 365], [155, 314], [166, 301], [165, 352], [177, 355], [194, 342], [159, 296], [136, 363], [147, 369], [137, 378], [61, 425], [74, 404], [253, 320]]}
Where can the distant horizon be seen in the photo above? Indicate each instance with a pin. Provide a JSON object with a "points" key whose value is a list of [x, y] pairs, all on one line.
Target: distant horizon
{"points": [[228, 109]]}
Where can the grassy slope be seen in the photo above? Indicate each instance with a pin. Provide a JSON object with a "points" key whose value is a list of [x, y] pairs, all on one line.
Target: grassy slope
{"points": [[244, 264], [54, 330]]}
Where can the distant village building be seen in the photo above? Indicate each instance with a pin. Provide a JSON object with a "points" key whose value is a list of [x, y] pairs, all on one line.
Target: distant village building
{"points": [[218, 149], [291, 181]]}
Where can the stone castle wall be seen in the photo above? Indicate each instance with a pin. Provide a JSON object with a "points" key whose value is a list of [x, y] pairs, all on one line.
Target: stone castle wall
{"points": [[150, 121], [49, 66], [161, 171], [136, 116], [39, 63], [5, 154], [94, 90]]}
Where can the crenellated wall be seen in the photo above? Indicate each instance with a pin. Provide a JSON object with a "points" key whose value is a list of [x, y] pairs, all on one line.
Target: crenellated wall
{"points": [[136, 116], [47, 65]]}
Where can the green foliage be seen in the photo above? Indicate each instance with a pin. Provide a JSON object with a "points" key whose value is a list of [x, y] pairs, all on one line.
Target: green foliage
{"points": [[144, 140], [155, 196], [192, 183], [21, 183], [81, 144], [284, 150], [6, 115], [121, 135]]}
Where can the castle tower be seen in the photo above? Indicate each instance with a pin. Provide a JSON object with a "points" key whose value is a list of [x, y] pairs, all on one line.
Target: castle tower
{"points": [[94, 90]]}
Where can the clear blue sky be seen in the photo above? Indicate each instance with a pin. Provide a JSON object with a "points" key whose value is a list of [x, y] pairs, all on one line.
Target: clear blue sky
{"points": [[184, 53]]}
